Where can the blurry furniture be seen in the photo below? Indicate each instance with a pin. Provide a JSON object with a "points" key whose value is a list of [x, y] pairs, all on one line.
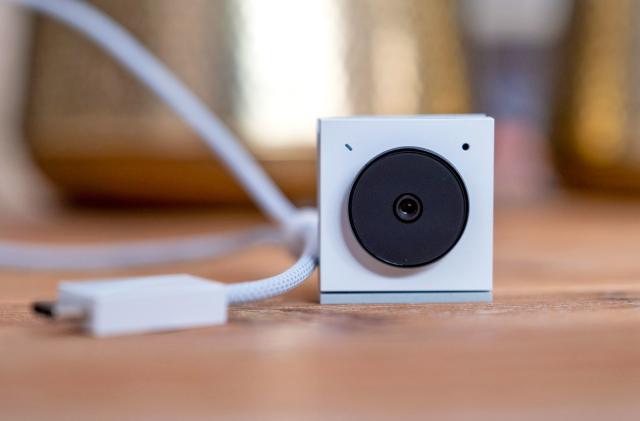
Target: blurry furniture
{"points": [[596, 134], [269, 69], [560, 341], [20, 187], [513, 51]]}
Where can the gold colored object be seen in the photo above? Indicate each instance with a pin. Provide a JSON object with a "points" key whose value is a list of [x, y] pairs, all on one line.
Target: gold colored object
{"points": [[268, 69], [596, 133]]}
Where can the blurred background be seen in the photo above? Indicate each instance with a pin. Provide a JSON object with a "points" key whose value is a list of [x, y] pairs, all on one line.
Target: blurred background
{"points": [[560, 77]]}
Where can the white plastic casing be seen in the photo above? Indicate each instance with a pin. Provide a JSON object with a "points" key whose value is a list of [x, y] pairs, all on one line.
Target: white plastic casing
{"points": [[345, 146], [147, 304]]}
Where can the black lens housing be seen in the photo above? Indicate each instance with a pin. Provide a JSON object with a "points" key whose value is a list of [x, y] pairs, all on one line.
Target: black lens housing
{"points": [[408, 207]]}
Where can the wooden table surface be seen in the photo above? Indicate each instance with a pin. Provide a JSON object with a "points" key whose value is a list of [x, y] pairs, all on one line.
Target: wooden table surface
{"points": [[560, 340]]}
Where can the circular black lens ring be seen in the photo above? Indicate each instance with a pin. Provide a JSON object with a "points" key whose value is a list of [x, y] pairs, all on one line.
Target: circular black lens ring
{"points": [[405, 233]]}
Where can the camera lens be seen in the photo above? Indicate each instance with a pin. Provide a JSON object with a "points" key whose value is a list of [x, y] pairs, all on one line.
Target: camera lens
{"points": [[387, 213], [408, 208]]}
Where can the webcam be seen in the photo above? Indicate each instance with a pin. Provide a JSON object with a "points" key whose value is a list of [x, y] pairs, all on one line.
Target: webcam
{"points": [[406, 209], [405, 213]]}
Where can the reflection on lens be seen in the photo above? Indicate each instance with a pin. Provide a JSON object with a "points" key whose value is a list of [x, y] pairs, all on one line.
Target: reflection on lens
{"points": [[408, 208]]}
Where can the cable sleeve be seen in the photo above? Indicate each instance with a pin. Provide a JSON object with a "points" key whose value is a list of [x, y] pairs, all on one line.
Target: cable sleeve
{"points": [[306, 223], [276, 285]]}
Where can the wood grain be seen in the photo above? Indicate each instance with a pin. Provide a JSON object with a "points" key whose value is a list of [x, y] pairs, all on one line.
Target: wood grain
{"points": [[561, 339]]}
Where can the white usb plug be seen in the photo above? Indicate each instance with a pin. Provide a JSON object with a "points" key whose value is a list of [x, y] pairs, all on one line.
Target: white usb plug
{"points": [[139, 305]]}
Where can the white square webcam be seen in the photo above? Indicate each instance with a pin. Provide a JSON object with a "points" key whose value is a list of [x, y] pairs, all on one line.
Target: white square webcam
{"points": [[406, 209]]}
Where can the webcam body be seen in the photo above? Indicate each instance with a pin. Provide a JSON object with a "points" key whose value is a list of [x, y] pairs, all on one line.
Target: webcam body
{"points": [[406, 209]]}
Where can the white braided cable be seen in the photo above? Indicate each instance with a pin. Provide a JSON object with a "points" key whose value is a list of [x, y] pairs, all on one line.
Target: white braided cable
{"points": [[276, 285], [287, 280], [117, 42]]}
